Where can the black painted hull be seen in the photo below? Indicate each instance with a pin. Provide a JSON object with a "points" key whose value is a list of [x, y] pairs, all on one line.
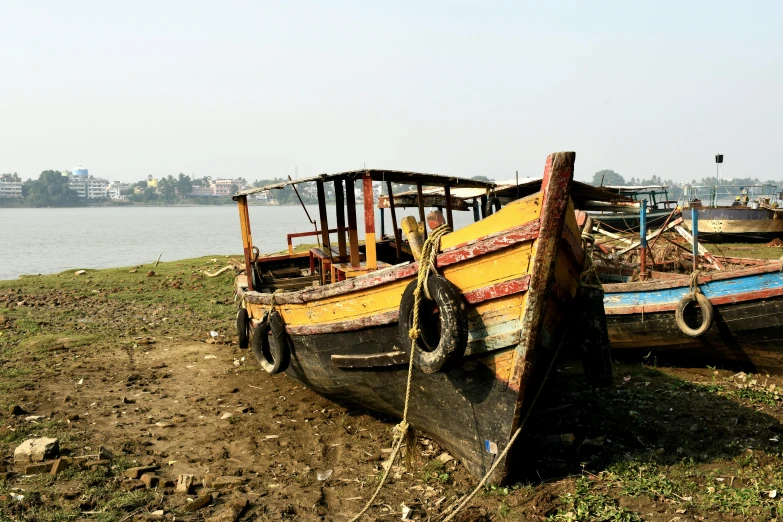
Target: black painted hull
{"points": [[747, 335], [462, 407]]}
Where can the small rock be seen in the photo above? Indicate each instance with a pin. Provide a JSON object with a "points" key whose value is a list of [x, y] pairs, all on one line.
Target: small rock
{"points": [[60, 465], [135, 473], [226, 482], [132, 485], [126, 400], [226, 416], [17, 410], [198, 503], [151, 273], [34, 469], [184, 483], [150, 480], [80, 272], [163, 424], [37, 450], [445, 457]]}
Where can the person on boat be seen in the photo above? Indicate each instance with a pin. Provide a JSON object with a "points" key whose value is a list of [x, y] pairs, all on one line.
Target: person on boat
{"points": [[745, 197], [736, 202]]}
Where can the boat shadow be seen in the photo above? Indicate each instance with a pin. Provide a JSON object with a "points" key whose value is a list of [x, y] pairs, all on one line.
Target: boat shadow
{"points": [[648, 415]]}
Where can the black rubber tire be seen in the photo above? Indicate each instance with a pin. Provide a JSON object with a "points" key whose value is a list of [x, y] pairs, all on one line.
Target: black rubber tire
{"points": [[443, 341], [271, 345], [706, 310], [243, 328]]}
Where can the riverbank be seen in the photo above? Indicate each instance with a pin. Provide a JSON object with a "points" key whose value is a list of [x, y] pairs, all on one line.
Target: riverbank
{"points": [[143, 361]]}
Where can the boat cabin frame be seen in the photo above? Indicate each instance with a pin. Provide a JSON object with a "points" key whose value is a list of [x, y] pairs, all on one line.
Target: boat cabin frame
{"points": [[347, 258]]}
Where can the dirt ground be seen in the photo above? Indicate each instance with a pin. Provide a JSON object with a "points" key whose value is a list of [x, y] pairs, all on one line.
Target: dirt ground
{"points": [[137, 373]]}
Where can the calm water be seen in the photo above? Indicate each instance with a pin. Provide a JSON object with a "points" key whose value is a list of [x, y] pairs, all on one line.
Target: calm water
{"points": [[46, 241]]}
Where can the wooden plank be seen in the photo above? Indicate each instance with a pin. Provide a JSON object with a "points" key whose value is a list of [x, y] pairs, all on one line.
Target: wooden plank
{"points": [[371, 360], [516, 213], [397, 235], [504, 288], [449, 216], [247, 238], [420, 203], [323, 216], [371, 258], [702, 251], [353, 234], [339, 199]]}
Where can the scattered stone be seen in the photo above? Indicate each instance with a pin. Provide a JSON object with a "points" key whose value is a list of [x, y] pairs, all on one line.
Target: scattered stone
{"points": [[73, 418], [61, 465], [445, 457], [132, 271], [233, 511], [207, 480], [184, 483], [155, 515], [17, 410], [7, 475], [166, 483], [135, 473], [34, 469], [80, 272], [126, 400], [37, 450], [163, 424], [151, 273], [242, 409], [226, 415], [198, 503], [226, 482], [132, 485], [150, 480]]}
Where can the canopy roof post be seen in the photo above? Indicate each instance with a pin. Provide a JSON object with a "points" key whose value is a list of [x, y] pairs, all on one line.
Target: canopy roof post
{"points": [[449, 216], [247, 239], [369, 224], [340, 208], [353, 235], [324, 221], [397, 236]]}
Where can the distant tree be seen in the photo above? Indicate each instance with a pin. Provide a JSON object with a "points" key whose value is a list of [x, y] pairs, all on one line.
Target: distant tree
{"points": [[607, 177], [167, 187], [184, 184], [234, 189], [51, 190], [481, 178]]}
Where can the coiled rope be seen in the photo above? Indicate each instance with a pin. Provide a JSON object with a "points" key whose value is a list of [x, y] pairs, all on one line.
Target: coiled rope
{"points": [[426, 265]]}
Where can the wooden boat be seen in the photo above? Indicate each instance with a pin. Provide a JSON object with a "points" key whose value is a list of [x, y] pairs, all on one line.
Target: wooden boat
{"points": [[509, 279], [745, 316], [738, 223]]}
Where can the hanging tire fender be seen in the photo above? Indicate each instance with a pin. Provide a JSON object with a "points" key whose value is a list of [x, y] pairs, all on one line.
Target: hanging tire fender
{"points": [[243, 328], [450, 332], [271, 345], [706, 309]]}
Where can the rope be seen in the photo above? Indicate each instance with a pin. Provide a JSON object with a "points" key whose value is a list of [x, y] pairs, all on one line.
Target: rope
{"points": [[694, 286], [589, 276], [426, 265]]}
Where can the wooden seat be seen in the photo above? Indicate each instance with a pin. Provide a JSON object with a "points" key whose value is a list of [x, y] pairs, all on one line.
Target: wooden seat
{"points": [[343, 271]]}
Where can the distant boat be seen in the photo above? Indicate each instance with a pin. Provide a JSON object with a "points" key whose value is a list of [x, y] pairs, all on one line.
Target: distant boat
{"points": [[624, 217], [748, 218]]}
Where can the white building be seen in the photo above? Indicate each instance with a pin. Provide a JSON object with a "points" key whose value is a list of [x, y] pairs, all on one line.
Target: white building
{"points": [[88, 187], [10, 186]]}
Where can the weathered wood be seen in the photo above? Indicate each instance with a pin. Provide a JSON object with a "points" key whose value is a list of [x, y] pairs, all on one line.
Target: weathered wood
{"points": [[702, 251], [429, 200], [324, 219], [375, 360], [449, 216], [558, 174], [651, 235], [456, 254], [247, 239], [498, 290], [371, 258], [353, 233], [339, 201], [397, 235], [592, 337]]}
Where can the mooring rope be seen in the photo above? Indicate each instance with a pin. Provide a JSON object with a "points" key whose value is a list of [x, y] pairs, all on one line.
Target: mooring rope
{"points": [[694, 285], [426, 265]]}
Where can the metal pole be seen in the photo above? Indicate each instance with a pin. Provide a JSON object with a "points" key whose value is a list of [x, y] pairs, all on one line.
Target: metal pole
{"points": [[695, 232], [643, 240]]}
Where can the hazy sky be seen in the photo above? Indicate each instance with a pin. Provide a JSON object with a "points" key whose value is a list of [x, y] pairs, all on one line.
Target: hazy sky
{"points": [[254, 89]]}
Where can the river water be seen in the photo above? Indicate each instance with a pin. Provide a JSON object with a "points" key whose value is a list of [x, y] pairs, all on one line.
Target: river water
{"points": [[50, 240]]}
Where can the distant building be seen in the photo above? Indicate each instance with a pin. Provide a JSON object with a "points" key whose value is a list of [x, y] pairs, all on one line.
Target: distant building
{"points": [[88, 187], [219, 187], [114, 191], [80, 172], [10, 186]]}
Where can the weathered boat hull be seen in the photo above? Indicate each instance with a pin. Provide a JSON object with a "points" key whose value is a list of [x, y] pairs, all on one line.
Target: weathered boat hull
{"points": [[747, 330], [518, 271], [631, 222], [736, 223]]}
